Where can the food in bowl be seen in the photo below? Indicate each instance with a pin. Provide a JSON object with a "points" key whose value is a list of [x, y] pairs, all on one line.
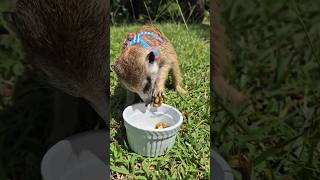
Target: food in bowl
{"points": [[157, 101], [161, 125]]}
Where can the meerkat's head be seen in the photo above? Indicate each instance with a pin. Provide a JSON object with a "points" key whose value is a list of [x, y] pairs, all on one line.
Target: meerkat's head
{"points": [[137, 70]]}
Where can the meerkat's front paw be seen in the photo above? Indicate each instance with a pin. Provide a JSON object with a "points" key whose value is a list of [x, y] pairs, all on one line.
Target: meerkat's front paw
{"points": [[180, 90], [158, 97], [158, 92]]}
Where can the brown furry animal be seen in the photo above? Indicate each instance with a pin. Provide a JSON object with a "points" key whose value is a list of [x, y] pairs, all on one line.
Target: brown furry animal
{"points": [[67, 40], [139, 71]]}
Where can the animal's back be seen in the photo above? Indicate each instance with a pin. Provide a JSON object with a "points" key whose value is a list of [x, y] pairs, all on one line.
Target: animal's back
{"points": [[166, 48], [66, 38]]}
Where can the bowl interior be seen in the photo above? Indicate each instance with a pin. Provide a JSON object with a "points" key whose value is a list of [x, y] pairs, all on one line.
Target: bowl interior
{"points": [[146, 118]]}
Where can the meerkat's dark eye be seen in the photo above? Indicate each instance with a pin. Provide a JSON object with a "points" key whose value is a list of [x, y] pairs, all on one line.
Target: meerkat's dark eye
{"points": [[151, 57]]}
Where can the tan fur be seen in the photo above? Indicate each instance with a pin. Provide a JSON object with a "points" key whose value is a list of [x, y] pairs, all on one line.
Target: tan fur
{"points": [[131, 69], [169, 61]]}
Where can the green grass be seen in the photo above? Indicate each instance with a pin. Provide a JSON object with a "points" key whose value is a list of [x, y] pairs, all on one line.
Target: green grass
{"points": [[189, 157], [275, 52]]}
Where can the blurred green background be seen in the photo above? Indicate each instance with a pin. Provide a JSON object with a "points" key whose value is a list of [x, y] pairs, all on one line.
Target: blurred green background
{"points": [[10, 59], [274, 56]]}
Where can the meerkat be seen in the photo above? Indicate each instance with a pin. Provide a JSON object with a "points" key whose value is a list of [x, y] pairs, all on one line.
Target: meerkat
{"points": [[68, 42], [143, 66]]}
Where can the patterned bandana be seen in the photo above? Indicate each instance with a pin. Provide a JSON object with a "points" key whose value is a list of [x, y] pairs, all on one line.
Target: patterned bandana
{"points": [[136, 39]]}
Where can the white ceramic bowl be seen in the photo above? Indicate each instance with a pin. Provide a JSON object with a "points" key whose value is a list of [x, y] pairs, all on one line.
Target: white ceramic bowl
{"points": [[140, 122]]}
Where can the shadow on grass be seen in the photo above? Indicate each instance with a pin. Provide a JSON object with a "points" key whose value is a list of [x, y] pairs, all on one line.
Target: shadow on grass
{"points": [[117, 106]]}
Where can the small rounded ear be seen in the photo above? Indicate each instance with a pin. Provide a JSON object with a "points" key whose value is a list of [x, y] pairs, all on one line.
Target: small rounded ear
{"points": [[151, 57]]}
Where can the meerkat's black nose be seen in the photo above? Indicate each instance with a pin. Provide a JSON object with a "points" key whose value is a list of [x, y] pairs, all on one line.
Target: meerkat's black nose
{"points": [[148, 100]]}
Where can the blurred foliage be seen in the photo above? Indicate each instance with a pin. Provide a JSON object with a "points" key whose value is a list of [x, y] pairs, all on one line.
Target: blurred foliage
{"points": [[5, 5], [11, 66], [153, 11], [275, 57], [21, 141]]}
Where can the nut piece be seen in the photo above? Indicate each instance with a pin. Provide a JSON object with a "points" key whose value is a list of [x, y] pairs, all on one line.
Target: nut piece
{"points": [[157, 101], [161, 100], [156, 105], [161, 125]]}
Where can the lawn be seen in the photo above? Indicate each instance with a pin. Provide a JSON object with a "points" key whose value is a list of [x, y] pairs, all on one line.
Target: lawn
{"points": [[189, 157], [275, 59]]}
